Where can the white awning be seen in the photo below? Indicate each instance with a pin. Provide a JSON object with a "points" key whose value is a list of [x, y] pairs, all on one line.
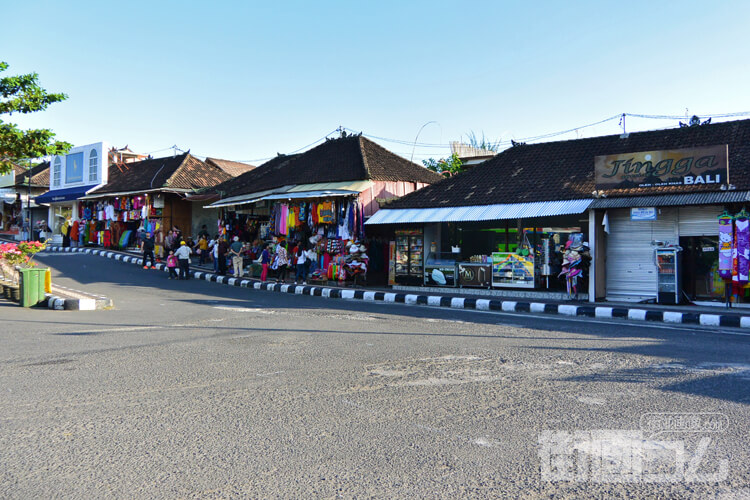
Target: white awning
{"points": [[479, 212], [298, 192]]}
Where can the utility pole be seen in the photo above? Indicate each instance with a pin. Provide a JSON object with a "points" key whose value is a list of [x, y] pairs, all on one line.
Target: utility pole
{"points": [[28, 200]]}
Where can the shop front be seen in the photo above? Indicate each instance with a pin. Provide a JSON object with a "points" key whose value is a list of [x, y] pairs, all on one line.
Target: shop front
{"points": [[329, 222], [479, 248], [668, 248]]}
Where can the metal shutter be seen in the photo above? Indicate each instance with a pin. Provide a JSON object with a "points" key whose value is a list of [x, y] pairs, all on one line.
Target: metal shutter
{"points": [[631, 272], [700, 220]]}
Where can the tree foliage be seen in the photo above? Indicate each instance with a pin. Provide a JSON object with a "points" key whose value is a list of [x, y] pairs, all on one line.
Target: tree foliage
{"points": [[484, 143], [23, 94], [445, 166]]}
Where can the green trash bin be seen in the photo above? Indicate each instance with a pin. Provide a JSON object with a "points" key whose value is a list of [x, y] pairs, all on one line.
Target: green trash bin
{"points": [[32, 286]]}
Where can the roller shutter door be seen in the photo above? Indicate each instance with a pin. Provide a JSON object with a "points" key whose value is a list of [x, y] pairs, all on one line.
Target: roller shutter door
{"points": [[631, 272], [700, 220]]}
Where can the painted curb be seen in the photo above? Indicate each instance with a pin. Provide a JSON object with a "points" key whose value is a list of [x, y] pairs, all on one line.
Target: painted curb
{"points": [[570, 310]]}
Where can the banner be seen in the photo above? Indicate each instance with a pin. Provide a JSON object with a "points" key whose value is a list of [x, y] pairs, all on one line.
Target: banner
{"points": [[707, 167]]}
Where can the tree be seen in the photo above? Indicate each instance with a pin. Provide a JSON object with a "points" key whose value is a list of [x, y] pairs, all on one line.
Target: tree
{"points": [[22, 94], [483, 143], [445, 166]]}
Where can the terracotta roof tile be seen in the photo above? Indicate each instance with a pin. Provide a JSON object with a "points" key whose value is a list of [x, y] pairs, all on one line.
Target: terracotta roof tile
{"points": [[178, 172], [233, 168], [346, 159], [564, 170]]}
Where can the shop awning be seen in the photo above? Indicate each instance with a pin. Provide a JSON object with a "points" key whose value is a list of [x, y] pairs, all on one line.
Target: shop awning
{"points": [[298, 192], [68, 194], [479, 212], [246, 199], [673, 199]]}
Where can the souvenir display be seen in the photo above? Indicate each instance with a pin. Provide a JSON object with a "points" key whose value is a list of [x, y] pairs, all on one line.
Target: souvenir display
{"points": [[575, 259], [742, 225], [726, 241]]}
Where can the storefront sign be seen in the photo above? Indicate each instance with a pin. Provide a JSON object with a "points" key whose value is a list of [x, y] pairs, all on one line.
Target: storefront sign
{"points": [[708, 167], [475, 275], [74, 168], [647, 213]]}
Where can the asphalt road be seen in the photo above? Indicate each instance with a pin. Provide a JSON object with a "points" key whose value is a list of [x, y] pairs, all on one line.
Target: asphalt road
{"points": [[190, 389]]}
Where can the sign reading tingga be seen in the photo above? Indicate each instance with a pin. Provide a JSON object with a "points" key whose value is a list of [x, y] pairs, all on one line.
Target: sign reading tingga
{"points": [[707, 166]]}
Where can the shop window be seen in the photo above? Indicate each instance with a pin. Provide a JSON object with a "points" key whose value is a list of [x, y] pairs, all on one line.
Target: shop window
{"points": [[57, 172], [93, 166]]}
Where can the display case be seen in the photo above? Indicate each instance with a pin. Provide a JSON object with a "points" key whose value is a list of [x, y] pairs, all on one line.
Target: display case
{"points": [[440, 269], [477, 274], [512, 270], [668, 280], [409, 257]]}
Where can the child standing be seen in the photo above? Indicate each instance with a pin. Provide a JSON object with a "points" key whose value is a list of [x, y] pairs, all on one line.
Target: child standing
{"points": [[265, 259], [172, 265]]}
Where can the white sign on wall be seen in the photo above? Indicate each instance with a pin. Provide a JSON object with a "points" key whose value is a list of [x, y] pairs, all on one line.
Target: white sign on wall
{"points": [[643, 213]]}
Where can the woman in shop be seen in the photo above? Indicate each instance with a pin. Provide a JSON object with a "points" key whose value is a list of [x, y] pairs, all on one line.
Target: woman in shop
{"points": [[282, 262], [301, 264]]}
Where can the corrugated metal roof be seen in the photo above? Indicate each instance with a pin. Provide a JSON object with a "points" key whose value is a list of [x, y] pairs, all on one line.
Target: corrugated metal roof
{"points": [[665, 200], [479, 212]]}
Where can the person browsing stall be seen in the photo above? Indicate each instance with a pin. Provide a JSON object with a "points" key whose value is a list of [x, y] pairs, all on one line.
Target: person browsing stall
{"points": [[235, 249]]}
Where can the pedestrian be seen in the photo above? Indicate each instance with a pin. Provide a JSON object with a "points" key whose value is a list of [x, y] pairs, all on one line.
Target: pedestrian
{"points": [[169, 240], [265, 260], [159, 245], [147, 247], [202, 250], [222, 255], [283, 262], [172, 265], [301, 265], [213, 245], [183, 259], [235, 250]]}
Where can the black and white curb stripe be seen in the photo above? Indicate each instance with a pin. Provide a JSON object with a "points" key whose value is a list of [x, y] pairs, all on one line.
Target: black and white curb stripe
{"points": [[590, 311], [60, 304]]}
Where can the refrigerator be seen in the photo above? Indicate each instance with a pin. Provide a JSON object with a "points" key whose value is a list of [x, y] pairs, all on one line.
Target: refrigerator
{"points": [[669, 290], [409, 257]]}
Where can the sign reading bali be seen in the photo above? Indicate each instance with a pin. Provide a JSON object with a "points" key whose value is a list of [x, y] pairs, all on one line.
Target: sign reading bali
{"points": [[708, 166]]}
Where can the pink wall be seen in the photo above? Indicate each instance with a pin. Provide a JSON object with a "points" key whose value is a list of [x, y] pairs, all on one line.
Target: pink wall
{"points": [[383, 190]]}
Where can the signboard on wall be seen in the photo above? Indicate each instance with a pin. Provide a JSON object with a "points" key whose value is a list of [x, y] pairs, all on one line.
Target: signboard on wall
{"points": [[74, 168], [706, 167], [643, 213]]}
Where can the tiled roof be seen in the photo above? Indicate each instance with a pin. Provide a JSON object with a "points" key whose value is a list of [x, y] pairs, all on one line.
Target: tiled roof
{"points": [[39, 175], [564, 170], [178, 172], [346, 159], [233, 168]]}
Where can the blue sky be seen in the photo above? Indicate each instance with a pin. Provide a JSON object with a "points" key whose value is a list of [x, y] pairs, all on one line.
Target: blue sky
{"points": [[245, 80]]}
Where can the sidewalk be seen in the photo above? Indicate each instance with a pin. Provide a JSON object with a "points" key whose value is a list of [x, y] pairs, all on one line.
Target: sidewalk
{"points": [[465, 299]]}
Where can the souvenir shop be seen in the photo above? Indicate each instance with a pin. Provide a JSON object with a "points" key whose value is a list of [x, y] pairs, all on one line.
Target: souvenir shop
{"points": [[673, 254], [688, 244], [546, 253], [334, 227], [116, 221]]}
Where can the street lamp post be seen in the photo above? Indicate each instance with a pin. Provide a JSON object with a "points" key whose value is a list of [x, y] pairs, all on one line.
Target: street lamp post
{"points": [[417, 137]]}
